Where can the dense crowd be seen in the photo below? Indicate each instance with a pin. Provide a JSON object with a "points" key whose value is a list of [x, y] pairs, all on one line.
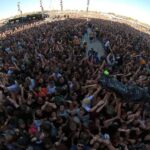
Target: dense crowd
{"points": [[50, 98]]}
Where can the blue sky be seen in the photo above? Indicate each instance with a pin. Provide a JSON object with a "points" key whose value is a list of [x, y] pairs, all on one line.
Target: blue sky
{"points": [[138, 9]]}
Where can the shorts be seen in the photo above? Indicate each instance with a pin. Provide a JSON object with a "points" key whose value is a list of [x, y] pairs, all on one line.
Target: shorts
{"points": [[91, 38]]}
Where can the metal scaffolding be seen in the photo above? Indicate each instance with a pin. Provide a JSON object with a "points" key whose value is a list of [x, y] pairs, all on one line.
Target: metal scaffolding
{"points": [[42, 9], [61, 5], [88, 3], [19, 9]]}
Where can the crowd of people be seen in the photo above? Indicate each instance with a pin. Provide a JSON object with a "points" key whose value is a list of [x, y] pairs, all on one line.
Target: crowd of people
{"points": [[50, 97]]}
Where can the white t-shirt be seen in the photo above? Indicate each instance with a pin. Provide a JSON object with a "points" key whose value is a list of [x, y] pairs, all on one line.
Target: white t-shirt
{"points": [[7, 49], [51, 90], [13, 88], [57, 75], [32, 84], [107, 44], [86, 103]]}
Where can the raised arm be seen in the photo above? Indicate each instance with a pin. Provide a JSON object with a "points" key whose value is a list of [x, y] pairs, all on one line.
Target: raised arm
{"points": [[48, 104], [13, 102], [107, 142], [136, 73], [89, 86], [97, 91], [100, 105]]}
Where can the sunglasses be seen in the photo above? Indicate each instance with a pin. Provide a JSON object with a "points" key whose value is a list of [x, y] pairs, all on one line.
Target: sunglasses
{"points": [[79, 145]]}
